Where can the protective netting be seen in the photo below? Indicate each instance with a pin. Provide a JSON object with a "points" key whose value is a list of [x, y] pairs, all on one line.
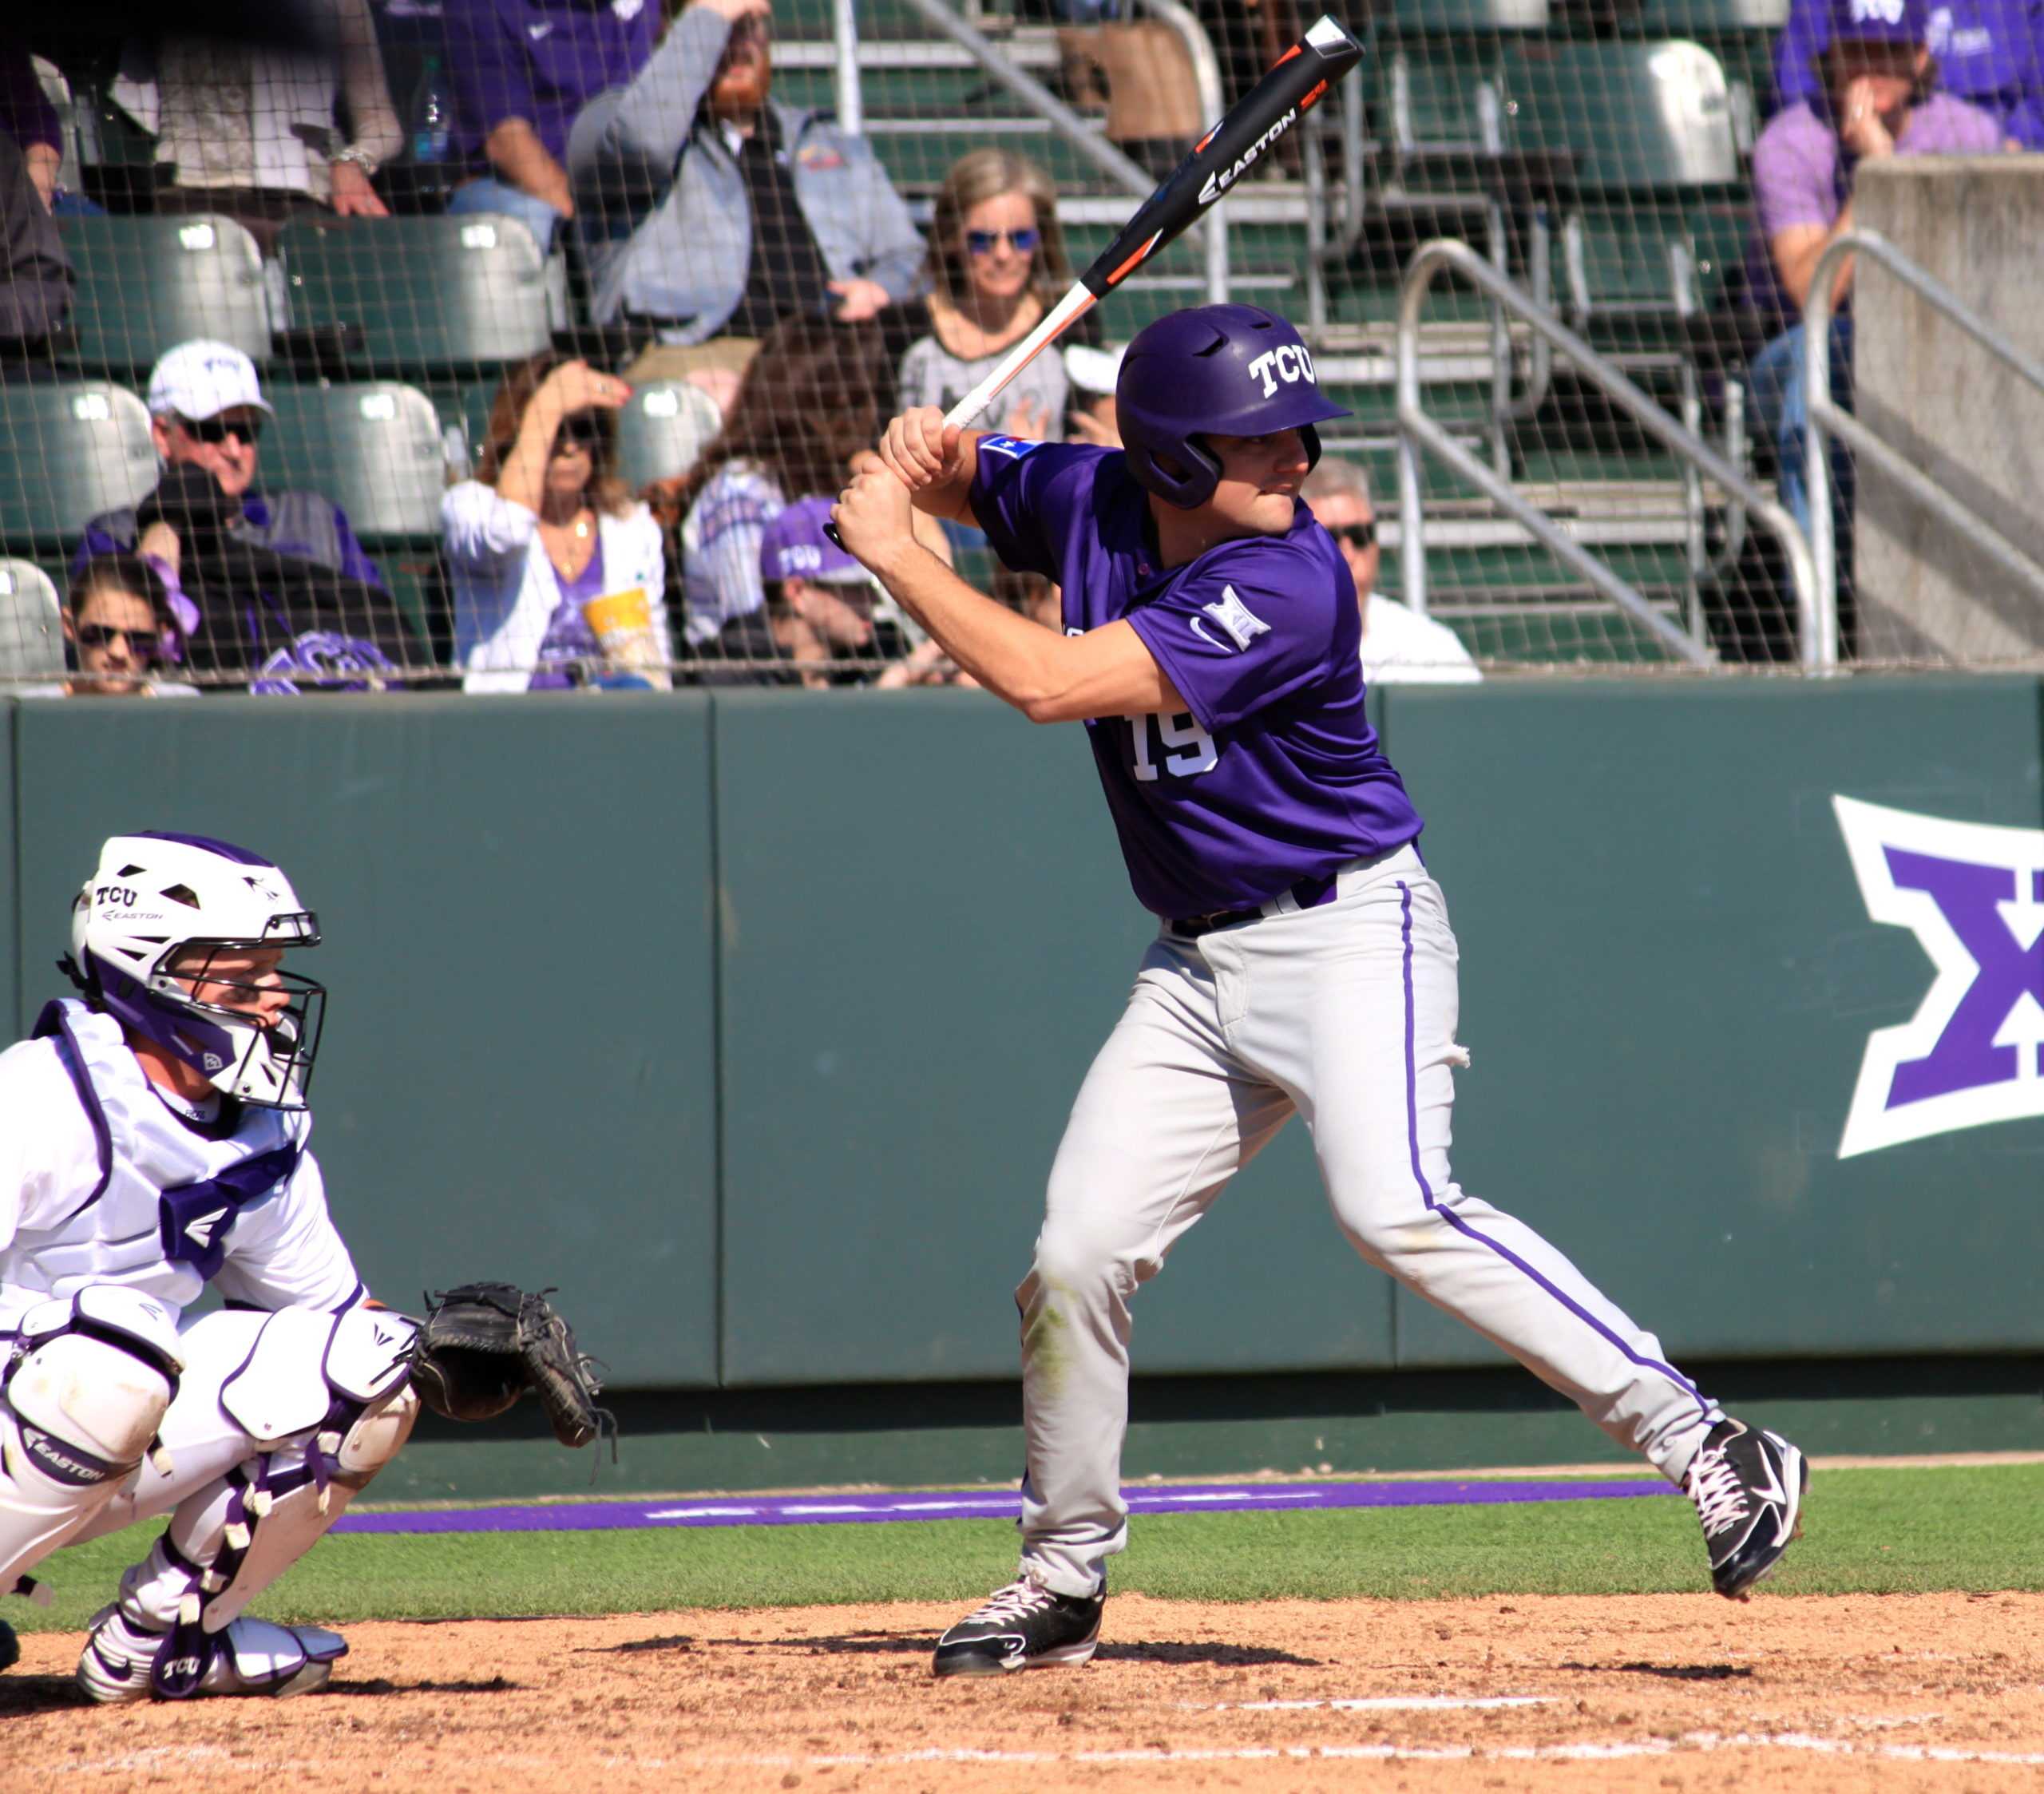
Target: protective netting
{"points": [[316, 353]]}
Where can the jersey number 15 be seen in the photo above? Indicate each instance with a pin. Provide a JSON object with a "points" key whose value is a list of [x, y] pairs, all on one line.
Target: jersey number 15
{"points": [[1187, 749]]}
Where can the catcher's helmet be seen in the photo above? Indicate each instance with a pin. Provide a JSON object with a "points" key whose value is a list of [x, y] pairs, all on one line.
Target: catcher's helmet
{"points": [[165, 904], [1229, 370]]}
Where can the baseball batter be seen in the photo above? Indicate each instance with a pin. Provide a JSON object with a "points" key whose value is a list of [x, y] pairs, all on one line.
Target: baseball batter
{"points": [[1303, 962], [154, 1138]]}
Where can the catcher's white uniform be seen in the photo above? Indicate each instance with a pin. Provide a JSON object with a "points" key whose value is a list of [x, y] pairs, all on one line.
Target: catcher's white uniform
{"points": [[251, 1426]]}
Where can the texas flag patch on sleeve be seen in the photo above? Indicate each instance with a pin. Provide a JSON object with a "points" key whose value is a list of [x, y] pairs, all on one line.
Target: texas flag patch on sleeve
{"points": [[1014, 447]]}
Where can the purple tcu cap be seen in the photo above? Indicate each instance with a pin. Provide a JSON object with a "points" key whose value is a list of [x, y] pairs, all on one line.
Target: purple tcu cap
{"points": [[795, 548], [1880, 21]]}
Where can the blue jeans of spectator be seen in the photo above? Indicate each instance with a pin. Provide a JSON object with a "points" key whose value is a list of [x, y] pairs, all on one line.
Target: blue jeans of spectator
{"points": [[486, 193], [1781, 410]]}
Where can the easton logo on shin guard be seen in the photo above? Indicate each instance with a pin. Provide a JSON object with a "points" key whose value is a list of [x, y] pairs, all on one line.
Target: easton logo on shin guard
{"points": [[66, 1463]]}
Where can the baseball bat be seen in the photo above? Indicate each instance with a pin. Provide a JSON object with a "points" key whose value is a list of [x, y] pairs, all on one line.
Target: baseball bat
{"points": [[1295, 84]]}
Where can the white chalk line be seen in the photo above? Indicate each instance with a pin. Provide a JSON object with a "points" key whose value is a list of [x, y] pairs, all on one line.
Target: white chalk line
{"points": [[1375, 1704], [1616, 1750], [1687, 1741]]}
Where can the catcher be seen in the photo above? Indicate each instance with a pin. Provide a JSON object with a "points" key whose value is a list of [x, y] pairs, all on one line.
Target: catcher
{"points": [[154, 1139]]}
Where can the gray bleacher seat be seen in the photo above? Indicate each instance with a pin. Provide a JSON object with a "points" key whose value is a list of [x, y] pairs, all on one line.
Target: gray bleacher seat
{"points": [[427, 293], [1651, 128], [31, 628], [375, 448], [1712, 17], [1636, 116], [67, 453], [145, 284], [662, 429]]}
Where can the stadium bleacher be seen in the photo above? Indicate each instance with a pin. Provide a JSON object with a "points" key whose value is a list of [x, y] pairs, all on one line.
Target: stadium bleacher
{"points": [[1607, 142]]}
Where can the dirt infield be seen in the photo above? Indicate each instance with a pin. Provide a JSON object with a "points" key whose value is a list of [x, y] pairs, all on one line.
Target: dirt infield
{"points": [[1944, 1692]]}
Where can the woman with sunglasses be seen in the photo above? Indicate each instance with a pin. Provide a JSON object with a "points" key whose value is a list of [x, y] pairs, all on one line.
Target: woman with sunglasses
{"points": [[118, 624], [995, 264], [548, 548]]}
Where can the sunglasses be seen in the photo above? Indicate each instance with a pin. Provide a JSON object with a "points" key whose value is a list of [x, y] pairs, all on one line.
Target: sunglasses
{"points": [[581, 431], [219, 430], [982, 243], [146, 644], [1356, 535]]}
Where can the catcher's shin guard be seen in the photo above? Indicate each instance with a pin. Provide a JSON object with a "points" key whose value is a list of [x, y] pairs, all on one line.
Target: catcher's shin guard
{"points": [[86, 1385], [176, 1630]]}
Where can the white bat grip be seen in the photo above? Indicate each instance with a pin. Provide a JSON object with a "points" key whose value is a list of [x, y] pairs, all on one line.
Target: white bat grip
{"points": [[1053, 325]]}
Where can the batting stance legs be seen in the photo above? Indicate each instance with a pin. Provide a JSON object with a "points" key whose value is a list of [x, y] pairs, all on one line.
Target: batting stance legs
{"points": [[1347, 1014]]}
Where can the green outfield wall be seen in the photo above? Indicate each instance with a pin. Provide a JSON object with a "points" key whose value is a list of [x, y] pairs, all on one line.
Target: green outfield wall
{"points": [[751, 1021]]}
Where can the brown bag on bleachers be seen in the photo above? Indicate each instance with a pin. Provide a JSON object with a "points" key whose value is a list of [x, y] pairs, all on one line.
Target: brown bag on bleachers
{"points": [[1152, 97]]}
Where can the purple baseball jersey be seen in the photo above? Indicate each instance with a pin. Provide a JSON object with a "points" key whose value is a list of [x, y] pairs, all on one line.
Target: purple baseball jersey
{"points": [[1275, 775]]}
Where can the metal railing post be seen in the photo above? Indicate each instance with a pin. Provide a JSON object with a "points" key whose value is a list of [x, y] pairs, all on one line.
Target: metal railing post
{"points": [[1416, 430], [851, 100]]}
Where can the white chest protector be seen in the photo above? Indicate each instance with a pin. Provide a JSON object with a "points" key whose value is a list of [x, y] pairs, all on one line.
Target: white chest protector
{"points": [[157, 1209]]}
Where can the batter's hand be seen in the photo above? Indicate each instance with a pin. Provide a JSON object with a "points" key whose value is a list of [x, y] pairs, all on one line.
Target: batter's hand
{"points": [[920, 451], [874, 517]]}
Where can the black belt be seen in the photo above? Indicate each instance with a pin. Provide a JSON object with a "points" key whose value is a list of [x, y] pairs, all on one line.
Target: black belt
{"points": [[1309, 894]]}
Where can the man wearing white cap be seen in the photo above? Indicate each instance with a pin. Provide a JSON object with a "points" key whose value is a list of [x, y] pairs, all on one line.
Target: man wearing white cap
{"points": [[273, 585], [207, 411]]}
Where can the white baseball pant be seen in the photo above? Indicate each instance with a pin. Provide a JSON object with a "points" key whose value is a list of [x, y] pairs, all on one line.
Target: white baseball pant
{"points": [[1347, 1013]]}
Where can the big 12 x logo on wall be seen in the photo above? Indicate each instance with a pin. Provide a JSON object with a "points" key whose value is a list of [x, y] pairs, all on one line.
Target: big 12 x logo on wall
{"points": [[1973, 894]]}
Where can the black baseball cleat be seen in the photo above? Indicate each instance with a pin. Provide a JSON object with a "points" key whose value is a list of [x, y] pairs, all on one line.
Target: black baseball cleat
{"points": [[10, 1646], [1748, 1487], [1024, 1626]]}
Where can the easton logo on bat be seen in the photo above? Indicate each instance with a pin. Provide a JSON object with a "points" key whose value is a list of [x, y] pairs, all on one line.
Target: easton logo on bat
{"points": [[1217, 183]]}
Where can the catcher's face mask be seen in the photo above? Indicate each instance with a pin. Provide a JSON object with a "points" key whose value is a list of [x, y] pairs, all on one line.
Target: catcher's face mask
{"points": [[180, 939]]}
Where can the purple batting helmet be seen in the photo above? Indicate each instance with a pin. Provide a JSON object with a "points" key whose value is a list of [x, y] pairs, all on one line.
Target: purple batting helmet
{"points": [[1226, 370]]}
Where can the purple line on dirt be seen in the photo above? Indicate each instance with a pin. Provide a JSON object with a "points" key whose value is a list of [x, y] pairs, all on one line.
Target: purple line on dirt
{"points": [[981, 1504]]}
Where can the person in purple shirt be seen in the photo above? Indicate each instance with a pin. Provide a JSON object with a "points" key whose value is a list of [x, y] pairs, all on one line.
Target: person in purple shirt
{"points": [[1304, 960], [521, 70], [1990, 53], [1876, 102]]}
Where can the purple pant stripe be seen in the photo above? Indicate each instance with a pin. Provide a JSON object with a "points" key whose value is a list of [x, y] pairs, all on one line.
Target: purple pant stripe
{"points": [[1461, 1226]]}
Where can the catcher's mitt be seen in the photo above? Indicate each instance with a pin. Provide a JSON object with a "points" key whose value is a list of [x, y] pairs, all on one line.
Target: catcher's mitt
{"points": [[482, 1345]]}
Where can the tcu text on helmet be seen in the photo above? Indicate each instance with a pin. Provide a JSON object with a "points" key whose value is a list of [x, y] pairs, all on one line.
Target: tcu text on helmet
{"points": [[1290, 364]]}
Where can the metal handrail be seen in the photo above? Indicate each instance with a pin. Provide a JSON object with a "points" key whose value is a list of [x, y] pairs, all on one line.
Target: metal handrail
{"points": [[1827, 417], [1417, 430], [851, 96], [1084, 137]]}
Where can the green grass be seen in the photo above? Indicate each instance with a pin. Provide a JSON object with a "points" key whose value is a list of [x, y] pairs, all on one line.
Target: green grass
{"points": [[1870, 1531]]}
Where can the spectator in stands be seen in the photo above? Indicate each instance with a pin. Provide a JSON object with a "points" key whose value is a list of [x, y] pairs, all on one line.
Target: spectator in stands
{"points": [[279, 586], [36, 280], [811, 399], [207, 410], [996, 264], [1988, 52], [707, 210], [548, 548], [122, 636], [1400, 646], [1877, 101], [823, 614], [250, 132], [521, 70], [28, 117]]}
